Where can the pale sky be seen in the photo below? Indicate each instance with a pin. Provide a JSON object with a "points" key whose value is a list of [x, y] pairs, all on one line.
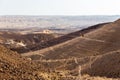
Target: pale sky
{"points": [[59, 7]]}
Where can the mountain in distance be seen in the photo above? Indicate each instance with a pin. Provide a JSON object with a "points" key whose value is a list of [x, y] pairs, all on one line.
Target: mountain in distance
{"points": [[56, 22]]}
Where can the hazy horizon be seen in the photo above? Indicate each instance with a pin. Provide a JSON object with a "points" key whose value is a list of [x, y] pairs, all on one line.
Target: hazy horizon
{"points": [[56, 22]]}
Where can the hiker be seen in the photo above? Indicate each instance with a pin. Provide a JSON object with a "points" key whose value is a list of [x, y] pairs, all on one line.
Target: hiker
{"points": [[81, 34]]}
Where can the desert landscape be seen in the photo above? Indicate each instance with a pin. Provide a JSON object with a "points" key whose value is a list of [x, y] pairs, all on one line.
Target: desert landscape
{"points": [[89, 52]]}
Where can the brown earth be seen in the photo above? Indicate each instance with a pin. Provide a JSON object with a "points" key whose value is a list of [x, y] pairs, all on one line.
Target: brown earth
{"points": [[14, 67], [97, 52], [27, 39], [106, 65], [100, 41]]}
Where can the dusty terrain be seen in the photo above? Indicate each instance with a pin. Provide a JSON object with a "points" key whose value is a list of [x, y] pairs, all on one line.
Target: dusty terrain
{"points": [[96, 51], [89, 54], [23, 42], [13, 66]]}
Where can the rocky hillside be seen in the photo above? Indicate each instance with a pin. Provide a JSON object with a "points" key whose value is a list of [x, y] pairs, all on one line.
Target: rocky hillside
{"points": [[13, 66], [64, 38], [99, 41], [22, 42], [106, 65]]}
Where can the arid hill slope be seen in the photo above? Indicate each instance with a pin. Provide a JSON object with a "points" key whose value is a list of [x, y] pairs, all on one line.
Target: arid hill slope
{"points": [[106, 65], [99, 41], [22, 42], [14, 67]]}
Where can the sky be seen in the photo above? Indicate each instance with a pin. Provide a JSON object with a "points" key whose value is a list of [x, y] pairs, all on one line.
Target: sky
{"points": [[59, 7]]}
